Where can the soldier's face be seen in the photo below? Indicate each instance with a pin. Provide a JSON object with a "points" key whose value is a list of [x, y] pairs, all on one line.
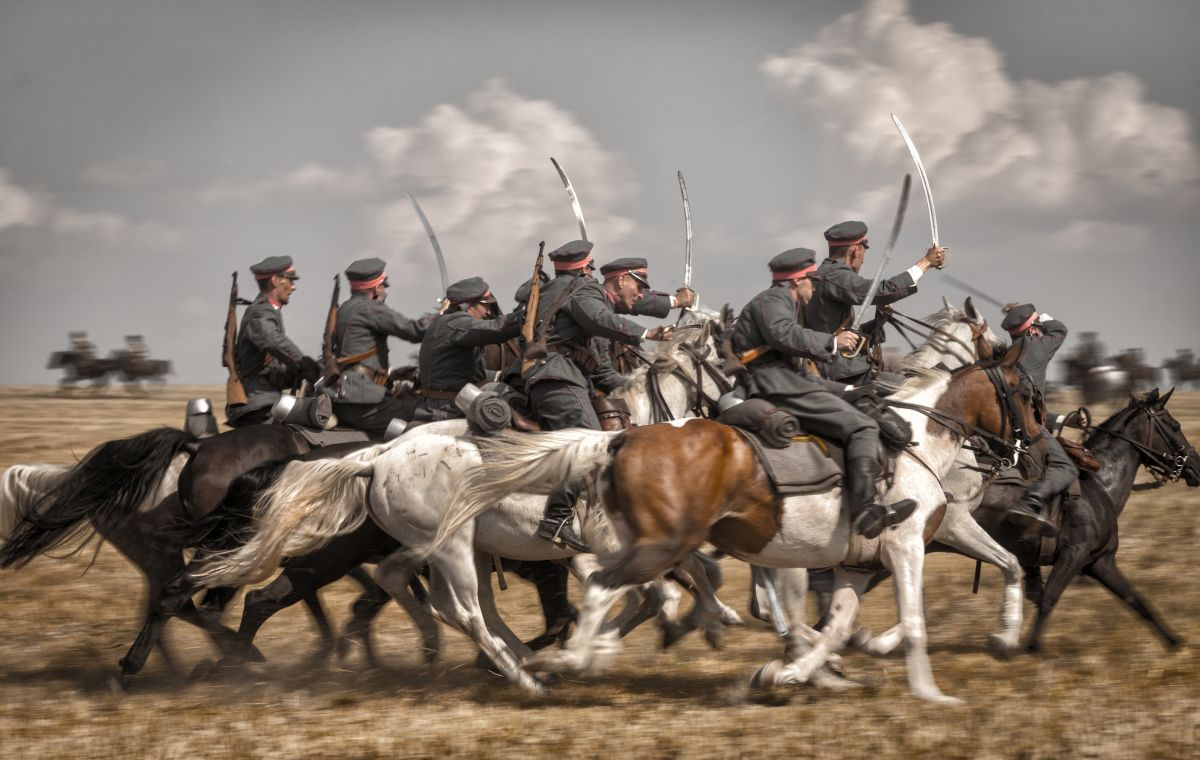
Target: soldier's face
{"points": [[857, 254], [627, 291], [284, 287]]}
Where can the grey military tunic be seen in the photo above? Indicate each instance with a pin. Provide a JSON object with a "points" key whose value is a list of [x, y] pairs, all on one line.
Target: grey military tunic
{"points": [[615, 362], [559, 388], [773, 319], [450, 357], [1036, 353], [264, 357], [834, 296], [363, 324]]}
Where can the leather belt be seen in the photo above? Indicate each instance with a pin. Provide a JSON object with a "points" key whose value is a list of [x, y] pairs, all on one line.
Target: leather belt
{"points": [[439, 395], [377, 376]]}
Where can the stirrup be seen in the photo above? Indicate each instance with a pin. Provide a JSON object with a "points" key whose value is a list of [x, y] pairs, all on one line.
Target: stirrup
{"points": [[561, 534]]}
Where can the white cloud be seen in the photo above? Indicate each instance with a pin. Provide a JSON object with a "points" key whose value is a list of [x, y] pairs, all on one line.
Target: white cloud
{"points": [[1044, 153], [306, 178], [126, 172], [18, 207]]}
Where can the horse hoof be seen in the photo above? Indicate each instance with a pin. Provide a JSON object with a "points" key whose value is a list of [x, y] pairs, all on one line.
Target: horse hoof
{"points": [[252, 654], [1000, 648], [119, 685], [203, 670], [766, 677], [715, 636], [861, 638], [672, 633], [341, 648], [938, 698]]}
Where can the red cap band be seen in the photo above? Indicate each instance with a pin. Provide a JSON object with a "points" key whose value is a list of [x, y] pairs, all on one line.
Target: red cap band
{"points": [[613, 273], [367, 284], [570, 266], [1025, 325], [269, 275], [486, 294], [856, 241], [777, 276]]}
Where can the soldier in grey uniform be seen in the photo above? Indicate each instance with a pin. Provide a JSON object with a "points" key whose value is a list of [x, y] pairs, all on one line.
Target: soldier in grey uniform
{"points": [[572, 309], [1040, 336], [360, 336], [625, 278], [267, 362], [841, 288], [772, 325], [450, 352]]}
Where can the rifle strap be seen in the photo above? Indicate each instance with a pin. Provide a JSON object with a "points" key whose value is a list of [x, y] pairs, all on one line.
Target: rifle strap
{"points": [[547, 317], [362, 356]]}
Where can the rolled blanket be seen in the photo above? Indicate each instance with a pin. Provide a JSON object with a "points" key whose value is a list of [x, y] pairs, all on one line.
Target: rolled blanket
{"points": [[778, 429], [775, 426], [312, 412], [489, 414]]}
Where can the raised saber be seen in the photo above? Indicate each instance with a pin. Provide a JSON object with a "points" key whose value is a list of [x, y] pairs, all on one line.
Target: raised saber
{"points": [[437, 247], [901, 210], [687, 220], [972, 290], [574, 199], [916, 157]]}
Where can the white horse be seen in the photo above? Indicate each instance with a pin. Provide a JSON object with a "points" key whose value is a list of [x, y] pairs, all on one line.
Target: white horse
{"points": [[404, 485]]}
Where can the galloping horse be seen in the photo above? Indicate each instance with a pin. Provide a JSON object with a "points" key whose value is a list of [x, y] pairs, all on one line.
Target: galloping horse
{"points": [[671, 487]]}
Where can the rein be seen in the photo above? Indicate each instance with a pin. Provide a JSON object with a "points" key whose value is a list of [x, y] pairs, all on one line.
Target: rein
{"points": [[1166, 467], [976, 331], [661, 410]]}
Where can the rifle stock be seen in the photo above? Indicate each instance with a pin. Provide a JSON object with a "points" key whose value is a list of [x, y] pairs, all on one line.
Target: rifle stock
{"points": [[234, 392], [531, 310], [327, 356]]}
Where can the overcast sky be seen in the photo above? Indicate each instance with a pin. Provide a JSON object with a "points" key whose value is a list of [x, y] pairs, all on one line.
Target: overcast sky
{"points": [[149, 148]]}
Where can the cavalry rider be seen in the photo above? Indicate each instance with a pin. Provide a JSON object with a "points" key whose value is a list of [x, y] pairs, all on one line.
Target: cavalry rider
{"points": [[267, 362], [1040, 336], [625, 278], [572, 309], [360, 335], [841, 288], [772, 322], [450, 356]]}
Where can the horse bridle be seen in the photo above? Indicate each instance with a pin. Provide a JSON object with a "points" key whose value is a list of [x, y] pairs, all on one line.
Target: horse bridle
{"points": [[704, 405], [1166, 467], [977, 332]]}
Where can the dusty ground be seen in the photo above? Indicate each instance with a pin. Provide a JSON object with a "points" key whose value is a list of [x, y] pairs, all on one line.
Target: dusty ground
{"points": [[1104, 687]]}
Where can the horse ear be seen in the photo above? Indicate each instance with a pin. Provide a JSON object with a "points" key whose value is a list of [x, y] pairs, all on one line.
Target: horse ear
{"points": [[1163, 401], [971, 312], [947, 304], [1011, 356], [1151, 396]]}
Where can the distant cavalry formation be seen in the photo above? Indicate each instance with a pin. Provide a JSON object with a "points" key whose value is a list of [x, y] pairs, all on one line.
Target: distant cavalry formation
{"points": [[130, 365], [564, 434]]}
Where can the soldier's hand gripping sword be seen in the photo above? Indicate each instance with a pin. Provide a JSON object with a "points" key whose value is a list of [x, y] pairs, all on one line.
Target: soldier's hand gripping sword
{"points": [[916, 157], [574, 199], [687, 253], [437, 249], [861, 313]]}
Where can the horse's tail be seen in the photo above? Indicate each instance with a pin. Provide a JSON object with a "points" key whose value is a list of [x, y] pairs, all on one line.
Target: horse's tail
{"points": [[108, 486], [23, 488], [524, 463], [308, 505], [230, 523]]}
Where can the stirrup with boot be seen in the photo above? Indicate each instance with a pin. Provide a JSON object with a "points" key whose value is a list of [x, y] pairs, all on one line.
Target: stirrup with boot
{"points": [[557, 522], [1027, 514], [867, 516]]}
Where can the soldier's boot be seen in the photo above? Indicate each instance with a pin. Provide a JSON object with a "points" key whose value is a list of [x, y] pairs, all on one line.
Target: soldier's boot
{"points": [[867, 516], [557, 525], [1027, 513]]}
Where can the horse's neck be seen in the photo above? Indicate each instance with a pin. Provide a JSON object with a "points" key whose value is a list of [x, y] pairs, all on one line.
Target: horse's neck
{"points": [[677, 393], [940, 349], [1119, 463]]}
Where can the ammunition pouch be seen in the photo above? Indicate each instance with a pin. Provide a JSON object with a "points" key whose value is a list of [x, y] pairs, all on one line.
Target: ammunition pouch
{"points": [[582, 356], [613, 413], [376, 376]]}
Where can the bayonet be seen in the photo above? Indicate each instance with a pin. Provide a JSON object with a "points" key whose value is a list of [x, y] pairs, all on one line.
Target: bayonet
{"points": [[916, 157], [887, 253], [574, 200], [687, 220], [437, 247]]}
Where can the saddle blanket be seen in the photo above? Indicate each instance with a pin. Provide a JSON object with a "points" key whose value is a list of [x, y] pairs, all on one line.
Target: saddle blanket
{"points": [[807, 466], [318, 438]]}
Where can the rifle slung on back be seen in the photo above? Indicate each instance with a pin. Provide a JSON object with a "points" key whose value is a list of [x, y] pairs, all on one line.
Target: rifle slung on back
{"points": [[235, 394]]}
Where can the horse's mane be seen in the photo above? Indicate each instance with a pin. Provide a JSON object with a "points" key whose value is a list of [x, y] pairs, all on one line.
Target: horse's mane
{"points": [[918, 381], [941, 319]]}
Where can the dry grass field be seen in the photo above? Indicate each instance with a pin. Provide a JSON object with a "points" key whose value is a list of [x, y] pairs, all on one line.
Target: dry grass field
{"points": [[1105, 687]]}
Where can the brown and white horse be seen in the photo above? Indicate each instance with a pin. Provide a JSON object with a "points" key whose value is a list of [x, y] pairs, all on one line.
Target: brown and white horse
{"points": [[669, 488]]}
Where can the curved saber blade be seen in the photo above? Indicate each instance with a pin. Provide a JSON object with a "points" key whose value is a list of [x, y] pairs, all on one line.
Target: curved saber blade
{"points": [[971, 289], [437, 247], [574, 200], [916, 157], [901, 210], [687, 220]]}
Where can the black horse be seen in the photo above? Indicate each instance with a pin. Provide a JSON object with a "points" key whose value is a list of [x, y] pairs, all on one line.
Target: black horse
{"points": [[1142, 434]]}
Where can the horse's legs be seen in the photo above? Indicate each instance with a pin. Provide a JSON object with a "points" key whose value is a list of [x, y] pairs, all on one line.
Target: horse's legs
{"points": [[1110, 576], [1071, 560], [487, 604], [706, 612], [1033, 583], [550, 579], [368, 606]]}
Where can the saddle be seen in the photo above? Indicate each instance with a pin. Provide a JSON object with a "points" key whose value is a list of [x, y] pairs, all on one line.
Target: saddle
{"points": [[795, 462]]}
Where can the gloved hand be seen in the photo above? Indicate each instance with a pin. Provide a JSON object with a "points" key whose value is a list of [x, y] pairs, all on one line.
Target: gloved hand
{"points": [[310, 369]]}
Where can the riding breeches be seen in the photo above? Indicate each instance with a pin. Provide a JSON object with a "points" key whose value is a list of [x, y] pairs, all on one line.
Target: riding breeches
{"points": [[829, 416], [560, 405], [1061, 472]]}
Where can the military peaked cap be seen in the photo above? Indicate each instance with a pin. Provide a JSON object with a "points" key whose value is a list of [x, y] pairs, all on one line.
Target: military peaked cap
{"points": [[846, 233], [634, 266], [470, 289], [274, 265], [798, 262], [365, 269], [573, 255], [1019, 318]]}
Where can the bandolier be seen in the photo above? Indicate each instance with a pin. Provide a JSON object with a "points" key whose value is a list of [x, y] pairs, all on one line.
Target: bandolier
{"points": [[451, 354], [361, 330], [267, 362], [771, 340]]}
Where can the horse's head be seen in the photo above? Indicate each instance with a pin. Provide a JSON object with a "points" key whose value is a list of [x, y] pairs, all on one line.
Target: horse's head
{"points": [[991, 397], [680, 376], [1158, 437], [955, 338]]}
